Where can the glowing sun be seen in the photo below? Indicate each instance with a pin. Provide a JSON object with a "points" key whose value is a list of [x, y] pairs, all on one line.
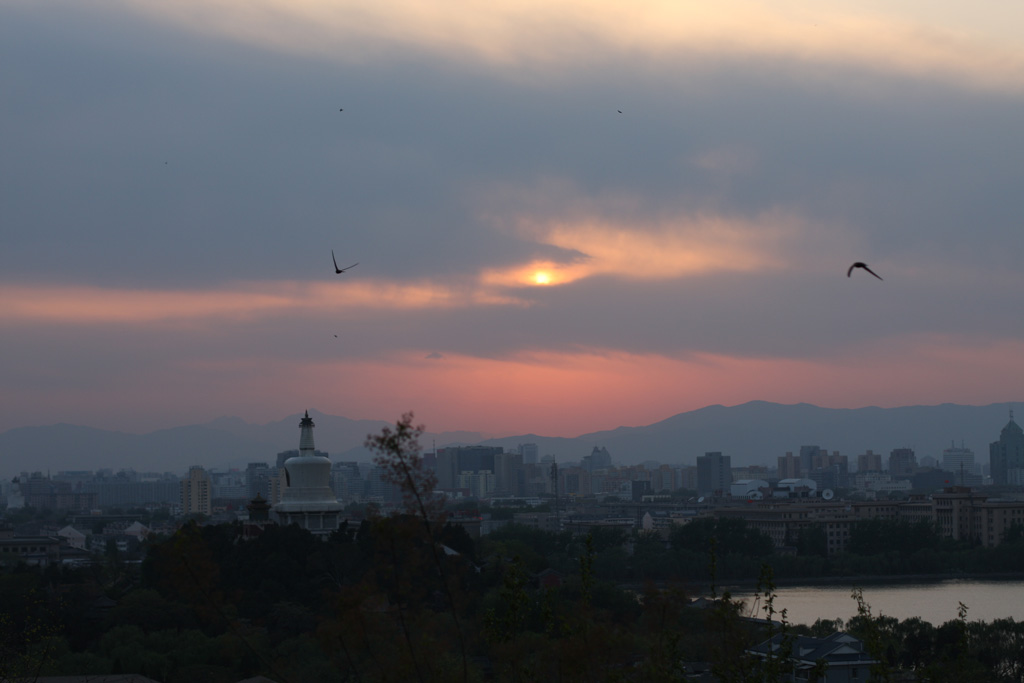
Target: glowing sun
{"points": [[542, 278]]}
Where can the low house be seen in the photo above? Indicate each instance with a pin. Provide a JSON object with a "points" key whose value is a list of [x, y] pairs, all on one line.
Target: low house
{"points": [[840, 658]]}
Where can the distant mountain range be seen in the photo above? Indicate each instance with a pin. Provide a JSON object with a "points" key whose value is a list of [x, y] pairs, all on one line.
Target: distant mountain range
{"points": [[753, 433]]}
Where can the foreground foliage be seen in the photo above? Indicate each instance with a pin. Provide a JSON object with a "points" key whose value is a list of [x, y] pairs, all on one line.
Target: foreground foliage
{"points": [[412, 597]]}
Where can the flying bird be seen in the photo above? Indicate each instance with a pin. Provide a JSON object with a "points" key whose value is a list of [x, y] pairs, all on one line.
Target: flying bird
{"points": [[860, 264], [339, 271], [619, 110]]}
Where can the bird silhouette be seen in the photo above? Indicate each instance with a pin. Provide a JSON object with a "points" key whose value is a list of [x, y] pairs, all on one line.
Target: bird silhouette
{"points": [[337, 270], [619, 110], [861, 264]]}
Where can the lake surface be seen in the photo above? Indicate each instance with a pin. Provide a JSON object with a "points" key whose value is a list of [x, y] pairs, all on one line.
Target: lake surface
{"points": [[935, 602]]}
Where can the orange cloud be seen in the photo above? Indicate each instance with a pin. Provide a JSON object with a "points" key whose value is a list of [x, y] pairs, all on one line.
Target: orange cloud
{"points": [[672, 248], [939, 42], [244, 300]]}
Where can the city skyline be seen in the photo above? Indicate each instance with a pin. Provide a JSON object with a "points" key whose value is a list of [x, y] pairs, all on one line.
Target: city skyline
{"points": [[756, 433], [567, 218]]}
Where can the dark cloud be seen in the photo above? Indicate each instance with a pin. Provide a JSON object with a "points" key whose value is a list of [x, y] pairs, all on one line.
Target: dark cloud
{"points": [[145, 157]]}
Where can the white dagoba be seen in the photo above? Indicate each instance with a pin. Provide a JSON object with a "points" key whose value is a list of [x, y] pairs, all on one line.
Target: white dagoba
{"points": [[307, 498]]}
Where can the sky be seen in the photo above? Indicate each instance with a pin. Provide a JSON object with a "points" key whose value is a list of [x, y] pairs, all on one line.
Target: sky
{"points": [[567, 216]]}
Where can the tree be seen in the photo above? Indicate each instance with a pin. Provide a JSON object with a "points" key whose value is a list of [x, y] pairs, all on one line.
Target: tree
{"points": [[398, 454]]}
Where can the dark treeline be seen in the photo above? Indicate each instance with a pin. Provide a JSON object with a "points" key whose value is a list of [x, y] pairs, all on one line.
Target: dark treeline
{"points": [[876, 548], [369, 604]]}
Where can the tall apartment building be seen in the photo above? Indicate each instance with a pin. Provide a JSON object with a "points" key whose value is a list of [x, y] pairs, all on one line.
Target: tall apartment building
{"points": [[457, 460], [714, 473], [196, 492], [789, 466], [1006, 456], [902, 462], [257, 479], [958, 460], [869, 462], [508, 474], [807, 455], [530, 453]]}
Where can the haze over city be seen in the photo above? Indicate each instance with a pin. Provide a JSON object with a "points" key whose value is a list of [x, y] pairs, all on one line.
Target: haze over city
{"points": [[531, 260]]}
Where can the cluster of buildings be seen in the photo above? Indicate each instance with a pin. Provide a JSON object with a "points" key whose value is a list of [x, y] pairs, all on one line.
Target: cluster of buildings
{"points": [[812, 487]]}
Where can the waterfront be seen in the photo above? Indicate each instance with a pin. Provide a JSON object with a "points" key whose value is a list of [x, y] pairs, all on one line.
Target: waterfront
{"points": [[934, 601]]}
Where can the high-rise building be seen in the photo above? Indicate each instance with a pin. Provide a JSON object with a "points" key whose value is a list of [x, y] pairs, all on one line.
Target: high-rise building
{"points": [[789, 466], [196, 492], [347, 482], [807, 455], [307, 499], [508, 474], [957, 460], [829, 471], [869, 462], [257, 480], [714, 473], [1006, 456], [902, 462], [598, 459], [457, 460], [530, 453]]}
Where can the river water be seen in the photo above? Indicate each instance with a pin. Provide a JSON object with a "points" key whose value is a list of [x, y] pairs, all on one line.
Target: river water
{"points": [[935, 601]]}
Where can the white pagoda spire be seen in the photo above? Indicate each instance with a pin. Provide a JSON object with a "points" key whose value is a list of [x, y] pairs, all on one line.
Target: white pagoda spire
{"points": [[307, 498], [306, 437]]}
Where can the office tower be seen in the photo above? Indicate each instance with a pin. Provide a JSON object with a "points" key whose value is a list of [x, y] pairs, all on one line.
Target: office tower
{"points": [[869, 462], [1006, 456], [958, 460], [789, 466], [196, 492], [257, 479], [714, 474], [530, 453], [902, 462]]}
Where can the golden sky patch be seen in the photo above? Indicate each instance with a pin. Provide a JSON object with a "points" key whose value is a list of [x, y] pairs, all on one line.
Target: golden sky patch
{"points": [[98, 305], [686, 246], [937, 42]]}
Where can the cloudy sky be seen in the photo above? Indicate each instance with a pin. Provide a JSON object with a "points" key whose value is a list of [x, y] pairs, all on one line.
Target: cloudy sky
{"points": [[174, 176]]}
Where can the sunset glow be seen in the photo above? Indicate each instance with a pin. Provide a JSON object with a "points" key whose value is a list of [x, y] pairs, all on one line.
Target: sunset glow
{"points": [[965, 49], [564, 217]]}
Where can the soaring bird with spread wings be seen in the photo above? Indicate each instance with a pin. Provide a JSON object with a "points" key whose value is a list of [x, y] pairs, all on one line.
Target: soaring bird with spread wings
{"points": [[339, 271], [860, 264]]}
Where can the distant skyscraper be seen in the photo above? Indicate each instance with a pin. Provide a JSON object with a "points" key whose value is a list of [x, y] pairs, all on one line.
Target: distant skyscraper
{"points": [[714, 473], [789, 466], [807, 455], [530, 453], [347, 482], [902, 462], [454, 461], [957, 460], [869, 462], [1006, 456], [598, 459], [196, 492], [257, 479], [508, 474], [307, 498]]}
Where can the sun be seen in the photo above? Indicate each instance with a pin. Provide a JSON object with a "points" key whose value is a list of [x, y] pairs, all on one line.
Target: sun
{"points": [[542, 278]]}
